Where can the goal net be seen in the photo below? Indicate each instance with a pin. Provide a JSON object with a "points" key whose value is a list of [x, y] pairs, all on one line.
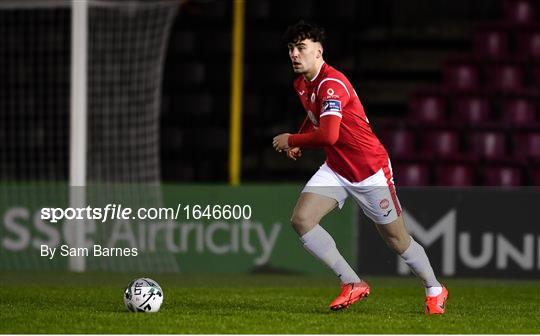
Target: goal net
{"points": [[125, 49]]}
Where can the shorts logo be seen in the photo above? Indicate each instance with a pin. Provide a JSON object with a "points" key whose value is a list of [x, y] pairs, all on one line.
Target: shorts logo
{"points": [[384, 204], [331, 106]]}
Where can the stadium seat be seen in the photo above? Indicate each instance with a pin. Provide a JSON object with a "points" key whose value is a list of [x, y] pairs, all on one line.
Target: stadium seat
{"points": [[505, 76], [535, 73], [461, 74], [528, 41], [454, 175], [428, 107], [519, 110], [411, 174], [491, 41], [399, 143], [441, 144], [506, 176], [471, 109], [534, 175], [519, 11], [489, 145], [527, 145]]}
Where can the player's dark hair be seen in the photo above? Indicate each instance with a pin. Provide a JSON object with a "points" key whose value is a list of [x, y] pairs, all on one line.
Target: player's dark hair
{"points": [[304, 30]]}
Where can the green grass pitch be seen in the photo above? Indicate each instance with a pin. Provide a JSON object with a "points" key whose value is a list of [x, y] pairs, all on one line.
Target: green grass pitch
{"points": [[93, 303]]}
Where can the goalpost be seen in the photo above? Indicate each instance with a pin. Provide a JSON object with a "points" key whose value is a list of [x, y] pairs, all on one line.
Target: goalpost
{"points": [[78, 124], [80, 96]]}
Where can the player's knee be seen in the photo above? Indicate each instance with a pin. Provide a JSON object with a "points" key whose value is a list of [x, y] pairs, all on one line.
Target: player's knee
{"points": [[300, 221]]}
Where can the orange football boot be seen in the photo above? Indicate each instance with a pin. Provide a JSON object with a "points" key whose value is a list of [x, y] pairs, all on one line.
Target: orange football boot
{"points": [[350, 293], [436, 304]]}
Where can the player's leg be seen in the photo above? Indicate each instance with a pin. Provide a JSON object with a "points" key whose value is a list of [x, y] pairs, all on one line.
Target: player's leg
{"points": [[309, 211], [321, 195], [307, 214], [396, 236], [413, 254], [378, 199]]}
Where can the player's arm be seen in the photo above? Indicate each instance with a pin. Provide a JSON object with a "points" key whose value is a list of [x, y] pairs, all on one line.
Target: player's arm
{"points": [[295, 153], [326, 135]]}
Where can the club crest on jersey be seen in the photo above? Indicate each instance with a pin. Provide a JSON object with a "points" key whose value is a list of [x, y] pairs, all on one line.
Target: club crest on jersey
{"points": [[331, 106], [312, 118]]}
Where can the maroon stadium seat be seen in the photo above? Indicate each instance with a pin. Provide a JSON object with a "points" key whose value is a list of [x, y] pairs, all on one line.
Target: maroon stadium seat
{"points": [[527, 145], [461, 74], [502, 176], [491, 41], [441, 144], [455, 175], [519, 110], [505, 76], [399, 142], [411, 174], [535, 176], [428, 107], [528, 40], [472, 109], [520, 11], [489, 145], [535, 72]]}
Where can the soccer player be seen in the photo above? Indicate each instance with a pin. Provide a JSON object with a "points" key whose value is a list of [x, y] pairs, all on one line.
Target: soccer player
{"points": [[356, 165]]}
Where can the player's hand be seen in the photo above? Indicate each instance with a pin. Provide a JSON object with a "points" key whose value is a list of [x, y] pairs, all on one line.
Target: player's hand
{"points": [[281, 142], [294, 153]]}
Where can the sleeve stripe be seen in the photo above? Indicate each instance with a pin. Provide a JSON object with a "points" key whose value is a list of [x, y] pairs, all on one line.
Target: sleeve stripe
{"points": [[331, 113], [333, 79]]}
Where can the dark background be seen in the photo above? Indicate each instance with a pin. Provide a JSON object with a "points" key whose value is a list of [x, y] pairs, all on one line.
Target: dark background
{"points": [[397, 54]]}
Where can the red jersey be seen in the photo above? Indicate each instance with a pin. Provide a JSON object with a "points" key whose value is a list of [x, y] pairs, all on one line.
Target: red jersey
{"points": [[357, 153]]}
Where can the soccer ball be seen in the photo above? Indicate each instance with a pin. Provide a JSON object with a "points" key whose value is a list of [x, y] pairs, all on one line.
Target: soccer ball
{"points": [[143, 295]]}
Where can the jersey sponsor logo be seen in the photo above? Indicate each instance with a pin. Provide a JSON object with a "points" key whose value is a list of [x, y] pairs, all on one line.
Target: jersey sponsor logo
{"points": [[312, 118], [330, 94], [331, 106]]}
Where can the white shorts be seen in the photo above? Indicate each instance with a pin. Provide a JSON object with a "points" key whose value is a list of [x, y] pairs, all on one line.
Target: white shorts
{"points": [[376, 195]]}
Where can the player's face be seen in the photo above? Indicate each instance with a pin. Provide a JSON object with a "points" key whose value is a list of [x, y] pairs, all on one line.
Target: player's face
{"points": [[304, 55]]}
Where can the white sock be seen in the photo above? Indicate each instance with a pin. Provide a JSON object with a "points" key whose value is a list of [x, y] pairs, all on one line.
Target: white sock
{"points": [[415, 257], [320, 243], [433, 291]]}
